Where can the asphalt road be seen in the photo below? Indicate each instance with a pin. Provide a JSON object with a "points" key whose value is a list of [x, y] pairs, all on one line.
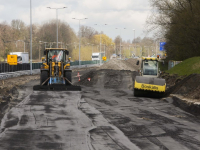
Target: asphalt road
{"points": [[101, 117], [151, 124], [55, 120]]}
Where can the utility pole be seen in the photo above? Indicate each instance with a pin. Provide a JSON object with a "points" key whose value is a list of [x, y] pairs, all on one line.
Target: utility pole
{"points": [[120, 42], [31, 37], [80, 39], [134, 41], [104, 49], [57, 21], [100, 45]]}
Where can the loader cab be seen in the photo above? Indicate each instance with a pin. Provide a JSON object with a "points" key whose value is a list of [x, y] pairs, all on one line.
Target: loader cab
{"points": [[150, 67], [56, 55]]}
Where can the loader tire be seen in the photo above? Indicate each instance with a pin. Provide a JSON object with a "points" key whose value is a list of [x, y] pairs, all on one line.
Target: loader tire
{"points": [[43, 77], [68, 75]]}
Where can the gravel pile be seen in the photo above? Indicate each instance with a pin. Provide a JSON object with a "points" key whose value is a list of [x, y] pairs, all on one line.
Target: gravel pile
{"points": [[116, 64]]}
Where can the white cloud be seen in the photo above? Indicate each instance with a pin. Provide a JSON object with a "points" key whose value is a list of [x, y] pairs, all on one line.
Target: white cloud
{"points": [[116, 13]]}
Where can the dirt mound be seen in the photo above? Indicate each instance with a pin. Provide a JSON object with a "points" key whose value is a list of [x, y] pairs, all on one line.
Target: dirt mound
{"points": [[109, 79], [187, 87], [117, 64]]}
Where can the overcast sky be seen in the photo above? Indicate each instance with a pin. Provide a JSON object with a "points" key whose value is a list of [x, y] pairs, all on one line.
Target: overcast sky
{"points": [[129, 14]]}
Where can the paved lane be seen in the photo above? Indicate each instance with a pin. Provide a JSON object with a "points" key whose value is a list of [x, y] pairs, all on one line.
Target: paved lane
{"points": [[59, 121], [150, 124], [46, 120]]}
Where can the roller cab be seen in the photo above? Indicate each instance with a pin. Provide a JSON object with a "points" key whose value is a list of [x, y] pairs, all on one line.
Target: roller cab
{"points": [[148, 83]]}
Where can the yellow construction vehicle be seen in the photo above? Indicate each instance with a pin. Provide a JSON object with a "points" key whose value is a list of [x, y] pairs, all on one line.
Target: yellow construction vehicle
{"points": [[55, 71], [148, 83]]}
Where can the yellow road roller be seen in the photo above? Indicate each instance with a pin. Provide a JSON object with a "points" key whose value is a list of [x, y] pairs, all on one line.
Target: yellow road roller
{"points": [[148, 84]]}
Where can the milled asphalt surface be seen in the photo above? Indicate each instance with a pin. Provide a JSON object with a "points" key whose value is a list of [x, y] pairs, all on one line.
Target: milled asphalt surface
{"points": [[46, 120], [104, 116], [55, 120], [148, 123]]}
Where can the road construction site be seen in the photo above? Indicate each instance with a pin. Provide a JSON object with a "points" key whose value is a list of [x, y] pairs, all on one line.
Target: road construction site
{"points": [[105, 115]]}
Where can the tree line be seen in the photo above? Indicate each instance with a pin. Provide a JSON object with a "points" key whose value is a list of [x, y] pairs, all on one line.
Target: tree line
{"points": [[178, 23], [15, 37]]}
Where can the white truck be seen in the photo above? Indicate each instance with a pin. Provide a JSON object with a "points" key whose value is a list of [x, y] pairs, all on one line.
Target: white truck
{"points": [[22, 57], [97, 56]]}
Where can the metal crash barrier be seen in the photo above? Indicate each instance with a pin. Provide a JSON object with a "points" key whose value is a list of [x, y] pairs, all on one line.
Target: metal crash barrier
{"points": [[5, 67]]}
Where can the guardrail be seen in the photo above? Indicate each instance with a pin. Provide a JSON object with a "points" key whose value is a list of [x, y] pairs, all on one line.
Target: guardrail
{"points": [[173, 63], [5, 67], [10, 71]]}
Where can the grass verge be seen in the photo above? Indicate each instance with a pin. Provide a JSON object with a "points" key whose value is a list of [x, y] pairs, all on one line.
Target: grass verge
{"points": [[187, 67]]}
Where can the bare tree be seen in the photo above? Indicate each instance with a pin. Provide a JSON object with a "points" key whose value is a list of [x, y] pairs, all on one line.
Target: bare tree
{"points": [[178, 22]]}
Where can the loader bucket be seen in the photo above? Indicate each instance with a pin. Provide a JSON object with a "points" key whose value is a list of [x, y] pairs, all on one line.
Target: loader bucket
{"points": [[57, 87], [149, 87]]}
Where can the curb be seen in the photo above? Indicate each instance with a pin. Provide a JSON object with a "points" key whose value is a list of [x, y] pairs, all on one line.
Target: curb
{"points": [[188, 106]]}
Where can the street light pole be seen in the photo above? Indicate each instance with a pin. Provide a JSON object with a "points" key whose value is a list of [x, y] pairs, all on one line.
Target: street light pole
{"points": [[134, 41], [100, 42], [79, 39], [91, 45], [120, 46], [57, 27], [79, 45], [30, 37], [57, 21], [120, 43], [21, 41], [24, 47]]}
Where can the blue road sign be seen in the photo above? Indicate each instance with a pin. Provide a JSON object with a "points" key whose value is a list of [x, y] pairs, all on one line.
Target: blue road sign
{"points": [[162, 46]]}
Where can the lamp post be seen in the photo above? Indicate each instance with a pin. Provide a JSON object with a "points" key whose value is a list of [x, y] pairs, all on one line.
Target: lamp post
{"points": [[21, 41], [129, 50], [79, 39], [120, 43], [57, 20], [44, 43], [100, 41], [92, 46], [148, 49], [134, 41], [39, 47], [31, 37], [24, 46]]}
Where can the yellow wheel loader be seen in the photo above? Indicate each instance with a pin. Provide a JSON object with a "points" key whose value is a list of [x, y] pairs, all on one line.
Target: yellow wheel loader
{"points": [[148, 84], [55, 71]]}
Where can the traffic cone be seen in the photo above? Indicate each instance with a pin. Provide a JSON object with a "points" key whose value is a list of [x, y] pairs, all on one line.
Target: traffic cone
{"points": [[79, 79], [78, 74], [89, 79]]}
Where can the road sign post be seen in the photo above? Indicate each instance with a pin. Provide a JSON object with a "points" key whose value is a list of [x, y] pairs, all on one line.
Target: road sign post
{"points": [[12, 59], [162, 46]]}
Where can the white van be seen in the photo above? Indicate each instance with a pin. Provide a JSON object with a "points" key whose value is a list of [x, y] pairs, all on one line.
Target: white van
{"points": [[97, 56], [22, 57]]}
